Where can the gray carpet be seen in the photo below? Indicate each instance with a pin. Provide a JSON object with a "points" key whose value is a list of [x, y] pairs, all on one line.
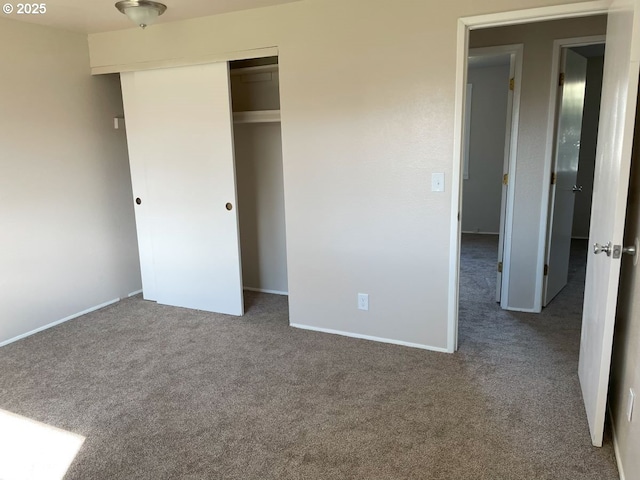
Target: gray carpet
{"points": [[163, 393]]}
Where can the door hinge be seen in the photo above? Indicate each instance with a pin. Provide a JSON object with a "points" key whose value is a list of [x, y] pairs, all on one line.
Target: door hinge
{"points": [[554, 178], [546, 270], [499, 267], [561, 80], [505, 179], [512, 84]]}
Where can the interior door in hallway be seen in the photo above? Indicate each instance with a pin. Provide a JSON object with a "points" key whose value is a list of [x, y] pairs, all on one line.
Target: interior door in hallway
{"points": [[510, 121], [567, 154], [613, 159], [179, 131]]}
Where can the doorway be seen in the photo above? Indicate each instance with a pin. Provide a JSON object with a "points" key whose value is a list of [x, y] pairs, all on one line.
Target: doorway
{"points": [[255, 94], [491, 125], [576, 105], [619, 96]]}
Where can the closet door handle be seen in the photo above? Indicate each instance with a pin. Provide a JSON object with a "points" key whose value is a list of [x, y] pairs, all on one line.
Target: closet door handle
{"points": [[229, 206], [138, 201]]}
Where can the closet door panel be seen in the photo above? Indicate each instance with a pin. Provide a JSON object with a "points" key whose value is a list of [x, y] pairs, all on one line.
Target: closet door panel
{"points": [[137, 167], [180, 129]]}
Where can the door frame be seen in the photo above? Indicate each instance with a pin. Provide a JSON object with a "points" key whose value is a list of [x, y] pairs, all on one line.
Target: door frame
{"points": [[515, 52], [254, 55], [465, 25], [548, 201]]}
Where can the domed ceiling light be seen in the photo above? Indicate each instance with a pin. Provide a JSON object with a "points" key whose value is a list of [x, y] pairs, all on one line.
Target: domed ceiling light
{"points": [[142, 12]]}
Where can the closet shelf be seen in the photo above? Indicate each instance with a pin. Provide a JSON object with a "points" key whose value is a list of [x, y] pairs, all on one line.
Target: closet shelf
{"points": [[257, 116], [258, 69]]}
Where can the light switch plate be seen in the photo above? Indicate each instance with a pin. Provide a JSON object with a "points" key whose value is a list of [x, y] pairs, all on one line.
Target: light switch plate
{"points": [[118, 123], [437, 182]]}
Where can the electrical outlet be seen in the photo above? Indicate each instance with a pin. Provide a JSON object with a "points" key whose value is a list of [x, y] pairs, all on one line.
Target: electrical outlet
{"points": [[363, 301], [437, 182], [632, 398]]}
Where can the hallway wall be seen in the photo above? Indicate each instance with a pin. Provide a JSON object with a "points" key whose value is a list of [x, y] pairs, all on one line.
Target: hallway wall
{"points": [[482, 194]]}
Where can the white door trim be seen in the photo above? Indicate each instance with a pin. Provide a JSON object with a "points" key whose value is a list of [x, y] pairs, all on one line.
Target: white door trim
{"points": [[465, 24], [543, 241]]}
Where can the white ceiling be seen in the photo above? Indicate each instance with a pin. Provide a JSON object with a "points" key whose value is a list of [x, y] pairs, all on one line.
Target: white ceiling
{"points": [[91, 16]]}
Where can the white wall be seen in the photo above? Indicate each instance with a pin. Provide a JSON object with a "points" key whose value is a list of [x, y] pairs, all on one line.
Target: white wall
{"points": [[258, 149], [68, 236], [532, 137], [588, 143], [482, 195], [625, 370], [367, 96]]}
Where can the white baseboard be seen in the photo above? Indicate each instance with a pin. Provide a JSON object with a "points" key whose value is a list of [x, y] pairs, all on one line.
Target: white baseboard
{"points": [[133, 294], [262, 290], [481, 233], [616, 447], [58, 322], [368, 337]]}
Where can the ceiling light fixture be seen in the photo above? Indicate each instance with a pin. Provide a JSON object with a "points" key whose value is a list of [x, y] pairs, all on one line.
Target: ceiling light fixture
{"points": [[142, 12]]}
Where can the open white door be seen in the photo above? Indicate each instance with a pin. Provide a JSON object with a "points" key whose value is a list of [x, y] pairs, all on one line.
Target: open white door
{"points": [[567, 155], [180, 137], [505, 174], [613, 159]]}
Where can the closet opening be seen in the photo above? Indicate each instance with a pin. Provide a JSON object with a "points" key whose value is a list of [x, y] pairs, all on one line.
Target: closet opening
{"points": [[255, 96]]}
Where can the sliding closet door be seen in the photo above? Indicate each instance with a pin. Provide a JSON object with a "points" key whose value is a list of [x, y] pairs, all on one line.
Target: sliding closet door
{"points": [[179, 131]]}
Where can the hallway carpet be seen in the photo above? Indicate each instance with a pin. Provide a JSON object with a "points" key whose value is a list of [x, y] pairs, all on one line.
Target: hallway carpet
{"points": [[168, 393]]}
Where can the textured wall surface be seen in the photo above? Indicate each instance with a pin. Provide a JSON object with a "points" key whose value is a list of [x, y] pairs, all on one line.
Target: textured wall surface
{"points": [[68, 234], [367, 98]]}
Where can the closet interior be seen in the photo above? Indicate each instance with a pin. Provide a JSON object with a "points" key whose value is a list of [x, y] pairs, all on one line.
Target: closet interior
{"points": [[255, 95]]}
